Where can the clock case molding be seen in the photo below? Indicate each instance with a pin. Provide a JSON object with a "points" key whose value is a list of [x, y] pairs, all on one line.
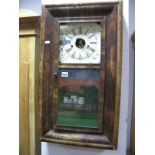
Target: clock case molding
{"points": [[52, 16]]}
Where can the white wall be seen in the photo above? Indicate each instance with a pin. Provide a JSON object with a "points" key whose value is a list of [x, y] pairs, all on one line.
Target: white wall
{"points": [[34, 5], [131, 66], [59, 149]]}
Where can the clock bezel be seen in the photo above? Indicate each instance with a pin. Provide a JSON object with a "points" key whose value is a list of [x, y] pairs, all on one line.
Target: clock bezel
{"points": [[95, 19], [85, 21]]}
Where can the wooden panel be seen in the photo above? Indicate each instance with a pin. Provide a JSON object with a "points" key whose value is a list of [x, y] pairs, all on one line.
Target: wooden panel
{"points": [[48, 67], [31, 50], [24, 97], [118, 75], [36, 87], [111, 63], [24, 109], [29, 55], [28, 97], [27, 29], [110, 67]]}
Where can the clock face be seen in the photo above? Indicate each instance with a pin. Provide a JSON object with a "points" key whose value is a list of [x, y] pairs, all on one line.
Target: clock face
{"points": [[80, 43]]}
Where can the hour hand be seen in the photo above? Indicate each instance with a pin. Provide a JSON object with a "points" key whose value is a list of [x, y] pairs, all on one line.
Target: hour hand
{"points": [[64, 41]]}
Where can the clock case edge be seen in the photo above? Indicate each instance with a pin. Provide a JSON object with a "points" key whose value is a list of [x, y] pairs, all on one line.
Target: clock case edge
{"points": [[43, 129]]}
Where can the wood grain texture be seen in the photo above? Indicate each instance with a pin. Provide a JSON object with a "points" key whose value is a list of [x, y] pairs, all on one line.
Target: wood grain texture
{"points": [[110, 17], [28, 53], [118, 75], [24, 108], [111, 63], [46, 88]]}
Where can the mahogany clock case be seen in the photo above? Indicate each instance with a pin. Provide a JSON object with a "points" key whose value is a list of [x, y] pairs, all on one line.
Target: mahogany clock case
{"points": [[107, 83]]}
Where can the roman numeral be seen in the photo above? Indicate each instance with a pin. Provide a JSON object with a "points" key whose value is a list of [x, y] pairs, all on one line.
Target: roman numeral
{"points": [[91, 36], [80, 57], [73, 31], [68, 50], [88, 54], [87, 31], [73, 55], [80, 30], [91, 49], [93, 42]]}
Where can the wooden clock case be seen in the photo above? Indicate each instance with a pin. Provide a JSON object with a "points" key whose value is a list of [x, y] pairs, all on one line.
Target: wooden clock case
{"points": [[110, 17]]}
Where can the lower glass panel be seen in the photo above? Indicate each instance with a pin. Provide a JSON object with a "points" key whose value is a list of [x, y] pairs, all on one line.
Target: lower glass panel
{"points": [[78, 98], [78, 106]]}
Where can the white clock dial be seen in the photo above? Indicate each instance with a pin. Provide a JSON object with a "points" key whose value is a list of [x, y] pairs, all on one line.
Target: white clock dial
{"points": [[80, 43]]}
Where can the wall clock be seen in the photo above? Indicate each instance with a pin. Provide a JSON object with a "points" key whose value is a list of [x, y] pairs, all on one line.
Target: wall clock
{"points": [[80, 43], [80, 71]]}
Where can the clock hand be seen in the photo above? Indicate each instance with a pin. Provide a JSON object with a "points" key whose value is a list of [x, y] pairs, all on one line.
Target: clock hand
{"points": [[80, 43]]}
